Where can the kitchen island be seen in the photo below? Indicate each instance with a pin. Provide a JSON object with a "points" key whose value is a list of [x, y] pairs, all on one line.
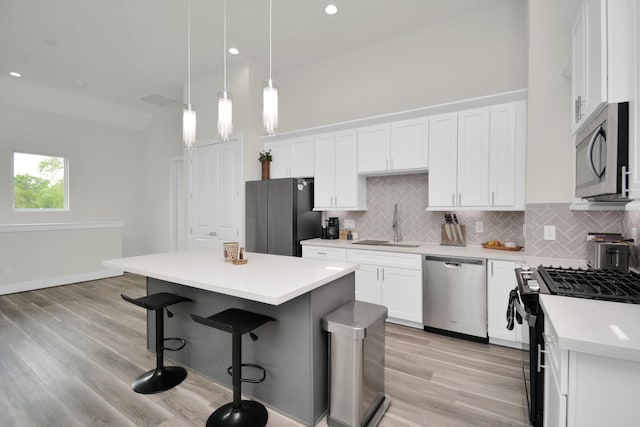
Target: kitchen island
{"points": [[296, 292]]}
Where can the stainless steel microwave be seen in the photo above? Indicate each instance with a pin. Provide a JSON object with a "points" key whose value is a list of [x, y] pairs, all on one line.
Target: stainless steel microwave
{"points": [[602, 155]]}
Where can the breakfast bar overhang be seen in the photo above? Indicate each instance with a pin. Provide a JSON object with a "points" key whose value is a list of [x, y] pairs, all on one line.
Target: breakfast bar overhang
{"points": [[296, 292]]}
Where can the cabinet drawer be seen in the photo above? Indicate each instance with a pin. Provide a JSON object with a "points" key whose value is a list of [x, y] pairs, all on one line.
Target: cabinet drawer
{"points": [[321, 252], [556, 359], [386, 259]]}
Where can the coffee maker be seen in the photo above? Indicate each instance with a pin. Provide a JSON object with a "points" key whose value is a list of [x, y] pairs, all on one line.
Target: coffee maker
{"points": [[333, 228]]}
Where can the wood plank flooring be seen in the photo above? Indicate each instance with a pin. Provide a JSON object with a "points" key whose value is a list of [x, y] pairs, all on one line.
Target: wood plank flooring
{"points": [[68, 356]]}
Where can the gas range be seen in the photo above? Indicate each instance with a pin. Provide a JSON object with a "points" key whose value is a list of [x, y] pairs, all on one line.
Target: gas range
{"points": [[605, 285]]}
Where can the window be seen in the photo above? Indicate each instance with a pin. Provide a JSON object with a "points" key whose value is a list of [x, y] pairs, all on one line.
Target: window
{"points": [[39, 182]]}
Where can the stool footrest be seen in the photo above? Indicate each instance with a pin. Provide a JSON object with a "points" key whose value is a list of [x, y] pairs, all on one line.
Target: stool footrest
{"points": [[180, 340], [250, 380]]}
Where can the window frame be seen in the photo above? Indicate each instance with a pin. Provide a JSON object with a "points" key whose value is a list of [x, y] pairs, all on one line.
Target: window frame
{"points": [[66, 207]]}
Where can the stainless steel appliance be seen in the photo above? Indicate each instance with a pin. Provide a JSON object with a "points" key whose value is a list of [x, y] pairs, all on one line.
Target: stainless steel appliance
{"points": [[602, 155], [455, 296], [595, 284], [279, 214], [608, 255]]}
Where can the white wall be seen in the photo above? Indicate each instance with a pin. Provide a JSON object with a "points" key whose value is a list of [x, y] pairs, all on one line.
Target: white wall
{"points": [[550, 152], [479, 53], [105, 170]]}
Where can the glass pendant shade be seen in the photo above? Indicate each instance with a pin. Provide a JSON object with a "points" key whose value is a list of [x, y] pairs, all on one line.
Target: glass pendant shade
{"points": [[189, 126], [270, 106], [225, 115]]}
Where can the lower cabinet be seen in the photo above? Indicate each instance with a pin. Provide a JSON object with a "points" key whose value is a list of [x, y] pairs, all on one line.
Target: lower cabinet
{"points": [[501, 279], [391, 279]]}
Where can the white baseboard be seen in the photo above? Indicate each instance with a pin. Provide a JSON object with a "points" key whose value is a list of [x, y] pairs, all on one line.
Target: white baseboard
{"points": [[11, 288]]}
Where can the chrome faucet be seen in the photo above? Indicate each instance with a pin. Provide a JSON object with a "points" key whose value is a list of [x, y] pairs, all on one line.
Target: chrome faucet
{"points": [[396, 234]]}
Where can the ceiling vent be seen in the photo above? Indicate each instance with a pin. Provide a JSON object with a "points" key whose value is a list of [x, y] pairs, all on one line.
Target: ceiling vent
{"points": [[158, 99]]}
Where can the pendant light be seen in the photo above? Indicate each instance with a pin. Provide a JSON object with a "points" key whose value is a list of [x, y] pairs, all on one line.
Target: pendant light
{"points": [[188, 114], [225, 108], [270, 91]]}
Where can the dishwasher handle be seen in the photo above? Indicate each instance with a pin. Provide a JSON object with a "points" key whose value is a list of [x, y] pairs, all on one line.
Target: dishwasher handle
{"points": [[454, 261]]}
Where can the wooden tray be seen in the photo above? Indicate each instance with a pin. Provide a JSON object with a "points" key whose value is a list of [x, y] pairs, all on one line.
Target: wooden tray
{"points": [[502, 248]]}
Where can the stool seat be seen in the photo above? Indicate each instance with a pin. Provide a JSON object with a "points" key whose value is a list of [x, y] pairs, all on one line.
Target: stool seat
{"points": [[155, 301], [239, 413], [162, 377], [234, 320]]}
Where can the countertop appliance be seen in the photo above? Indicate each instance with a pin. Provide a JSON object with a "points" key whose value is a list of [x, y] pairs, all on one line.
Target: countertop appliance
{"points": [[333, 228], [455, 296], [595, 284], [602, 155], [608, 255], [279, 214]]}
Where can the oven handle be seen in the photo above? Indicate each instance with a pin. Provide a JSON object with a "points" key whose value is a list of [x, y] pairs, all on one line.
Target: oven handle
{"points": [[595, 136], [540, 351], [528, 317]]}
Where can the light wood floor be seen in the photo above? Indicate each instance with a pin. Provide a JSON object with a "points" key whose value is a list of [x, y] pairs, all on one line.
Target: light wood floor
{"points": [[68, 356]]}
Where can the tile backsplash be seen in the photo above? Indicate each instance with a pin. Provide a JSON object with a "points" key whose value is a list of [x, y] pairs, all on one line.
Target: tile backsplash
{"points": [[410, 192]]}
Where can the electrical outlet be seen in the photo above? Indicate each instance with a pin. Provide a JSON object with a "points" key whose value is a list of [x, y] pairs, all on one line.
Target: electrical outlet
{"points": [[549, 232], [9, 271], [479, 227]]}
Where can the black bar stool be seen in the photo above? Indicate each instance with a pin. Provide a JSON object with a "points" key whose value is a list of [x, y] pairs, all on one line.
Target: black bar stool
{"points": [[161, 378], [239, 413]]}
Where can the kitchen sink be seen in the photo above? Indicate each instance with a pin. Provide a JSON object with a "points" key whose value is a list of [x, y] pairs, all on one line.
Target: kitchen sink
{"points": [[385, 243]]}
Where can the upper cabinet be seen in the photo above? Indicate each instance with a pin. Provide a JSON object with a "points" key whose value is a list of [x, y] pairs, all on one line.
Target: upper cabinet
{"points": [[602, 56], [292, 158], [398, 147], [477, 158], [337, 184]]}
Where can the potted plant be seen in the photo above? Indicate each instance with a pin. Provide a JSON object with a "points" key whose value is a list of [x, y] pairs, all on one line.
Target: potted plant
{"points": [[265, 158]]}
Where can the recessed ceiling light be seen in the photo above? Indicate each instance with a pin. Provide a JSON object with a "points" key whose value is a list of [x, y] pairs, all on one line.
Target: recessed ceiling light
{"points": [[233, 51], [14, 74], [331, 9]]}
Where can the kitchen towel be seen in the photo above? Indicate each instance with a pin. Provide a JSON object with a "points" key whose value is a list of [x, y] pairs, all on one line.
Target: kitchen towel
{"points": [[513, 298]]}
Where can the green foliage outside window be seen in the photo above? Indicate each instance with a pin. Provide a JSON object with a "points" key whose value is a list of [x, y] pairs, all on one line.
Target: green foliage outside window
{"points": [[41, 185]]}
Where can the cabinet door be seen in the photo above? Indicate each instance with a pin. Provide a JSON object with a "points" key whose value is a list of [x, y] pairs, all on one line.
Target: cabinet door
{"points": [[634, 118], [324, 176], [373, 149], [502, 160], [473, 157], [555, 403], [302, 157], [402, 293], [579, 66], [408, 146], [281, 163], [345, 170], [595, 16], [501, 279], [443, 137], [368, 284]]}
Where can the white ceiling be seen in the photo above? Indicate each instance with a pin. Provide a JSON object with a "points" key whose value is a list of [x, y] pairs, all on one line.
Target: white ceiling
{"points": [[122, 50]]}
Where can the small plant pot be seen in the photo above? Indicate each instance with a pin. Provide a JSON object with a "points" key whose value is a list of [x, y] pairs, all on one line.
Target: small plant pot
{"points": [[266, 169]]}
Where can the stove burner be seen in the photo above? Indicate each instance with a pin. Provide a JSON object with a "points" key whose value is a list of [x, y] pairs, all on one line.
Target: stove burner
{"points": [[596, 284]]}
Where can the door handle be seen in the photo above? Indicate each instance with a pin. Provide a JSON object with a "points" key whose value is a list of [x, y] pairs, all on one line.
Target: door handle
{"points": [[212, 233], [451, 264]]}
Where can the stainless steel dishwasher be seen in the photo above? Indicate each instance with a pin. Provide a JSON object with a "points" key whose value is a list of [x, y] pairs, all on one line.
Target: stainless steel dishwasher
{"points": [[455, 295]]}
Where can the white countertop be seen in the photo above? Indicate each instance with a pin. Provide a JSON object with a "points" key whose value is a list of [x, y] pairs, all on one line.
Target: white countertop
{"points": [[271, 279], [603, 328], [425, 249]]}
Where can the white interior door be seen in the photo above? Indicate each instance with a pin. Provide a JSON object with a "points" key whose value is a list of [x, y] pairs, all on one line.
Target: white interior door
{"points": [[215, 198], [178, 204]]}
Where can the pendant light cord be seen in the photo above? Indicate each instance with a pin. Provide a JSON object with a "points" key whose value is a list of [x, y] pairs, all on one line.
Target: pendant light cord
{"points": [[189, 54], [270, 34], [224, 53]]}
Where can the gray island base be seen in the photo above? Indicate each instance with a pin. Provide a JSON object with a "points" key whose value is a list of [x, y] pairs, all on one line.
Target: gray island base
{"points": [[293, 350]]}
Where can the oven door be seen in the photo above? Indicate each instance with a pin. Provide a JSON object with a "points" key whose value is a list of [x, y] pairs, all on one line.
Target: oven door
{"points": [[531, 371]]}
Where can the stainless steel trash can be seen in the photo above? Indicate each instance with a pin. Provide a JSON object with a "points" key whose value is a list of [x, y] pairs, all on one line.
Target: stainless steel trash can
{"points": [[356, 365]]}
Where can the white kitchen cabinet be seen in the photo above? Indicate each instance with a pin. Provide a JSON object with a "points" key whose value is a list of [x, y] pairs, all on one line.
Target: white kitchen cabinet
{"points": [[391, 279], [477, 158], [324, 253], [501, 279], [398, 147], [602, 57], [337, 184], [634, 114], [292, 158]]}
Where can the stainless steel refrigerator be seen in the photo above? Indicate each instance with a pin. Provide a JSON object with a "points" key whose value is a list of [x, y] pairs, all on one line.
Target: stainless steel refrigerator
{"points": [[279, 214]]}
